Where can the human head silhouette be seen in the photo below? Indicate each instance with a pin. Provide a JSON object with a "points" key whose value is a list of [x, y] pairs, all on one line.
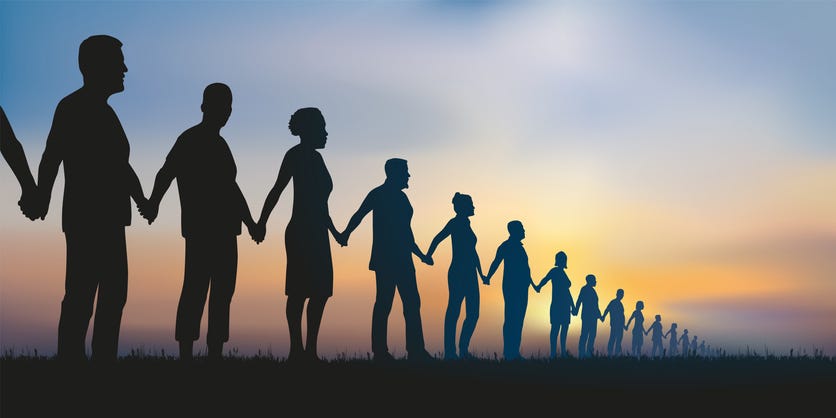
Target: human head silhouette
{"points": [[560, 259], [102, 64], [217, 104], [658, 317], [516, 230], [591, 280], [309, 125], [639, 305], [463, 204], [397, 172], [619, 294], [673, 325]]}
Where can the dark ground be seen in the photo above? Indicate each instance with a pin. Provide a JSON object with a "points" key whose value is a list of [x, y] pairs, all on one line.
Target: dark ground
{"points": [[243, 387]]}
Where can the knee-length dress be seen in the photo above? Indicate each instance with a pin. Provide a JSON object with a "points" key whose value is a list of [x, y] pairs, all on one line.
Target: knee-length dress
{"points": [[309, 268]]}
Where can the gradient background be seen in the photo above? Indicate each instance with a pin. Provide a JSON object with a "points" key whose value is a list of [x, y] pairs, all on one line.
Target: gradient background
{"points": [[682, 151]]}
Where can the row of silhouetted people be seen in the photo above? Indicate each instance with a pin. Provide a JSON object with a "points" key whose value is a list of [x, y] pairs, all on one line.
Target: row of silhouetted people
{"points": [[87, 138]]}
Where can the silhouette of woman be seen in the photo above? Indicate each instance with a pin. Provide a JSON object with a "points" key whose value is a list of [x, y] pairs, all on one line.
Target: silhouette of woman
{"points": [[673, 342], [309, 273], [560, 312], [638, 328], [462, 279]]}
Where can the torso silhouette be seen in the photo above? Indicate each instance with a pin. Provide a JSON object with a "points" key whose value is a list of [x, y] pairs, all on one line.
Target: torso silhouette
{"points": [[638, 325], [588, 299], [616, 312], [561, 307], [88, 138], [516, 273], [205, 171], [463, 239], [656, 331], [391, 229], [312, 186]]}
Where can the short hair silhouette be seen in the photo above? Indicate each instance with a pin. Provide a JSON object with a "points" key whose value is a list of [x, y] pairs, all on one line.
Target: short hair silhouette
{"points": [[96, 52], [393, 166], [619, 293], [303, 119], [514, 226], [639, 305], [590, 278]]}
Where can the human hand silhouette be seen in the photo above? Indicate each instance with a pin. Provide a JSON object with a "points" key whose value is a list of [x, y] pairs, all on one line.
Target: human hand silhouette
{"points": [[342, 238], [148, 209], [536, 288], [257, 232], [486, 280], [428, 260], [29, 205]]}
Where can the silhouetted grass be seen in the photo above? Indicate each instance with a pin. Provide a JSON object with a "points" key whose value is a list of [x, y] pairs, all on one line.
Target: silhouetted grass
{"points": [[146, 383]]}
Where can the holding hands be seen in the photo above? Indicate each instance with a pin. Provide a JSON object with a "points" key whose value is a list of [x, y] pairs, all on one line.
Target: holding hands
{"points": [[485, 279], [31, 205], [341, 238], [257, 231], [148, 209]]}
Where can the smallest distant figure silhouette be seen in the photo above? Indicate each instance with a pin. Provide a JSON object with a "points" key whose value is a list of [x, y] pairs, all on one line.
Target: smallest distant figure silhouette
{"points": [[685, 342], [616, 311], [673, 342], [656, 336], [638, 329], [560, 312]]}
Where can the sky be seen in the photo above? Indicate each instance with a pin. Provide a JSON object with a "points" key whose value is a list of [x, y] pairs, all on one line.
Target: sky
{"points": [[680, 150]]}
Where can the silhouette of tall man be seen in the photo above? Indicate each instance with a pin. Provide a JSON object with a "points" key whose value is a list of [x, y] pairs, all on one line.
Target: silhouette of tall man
{"points": [[393, 245], [99, 182], [590, 313], [516, 278], [13, 154], [212, 209]]}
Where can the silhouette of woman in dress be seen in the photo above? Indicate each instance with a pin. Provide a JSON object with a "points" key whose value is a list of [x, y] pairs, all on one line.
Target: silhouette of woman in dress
{"points": [[462, 279], [638, 328], [310, 273], [673, 342]]}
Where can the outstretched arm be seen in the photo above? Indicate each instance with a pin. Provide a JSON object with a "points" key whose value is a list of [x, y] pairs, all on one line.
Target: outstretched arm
{"points": [[494, 265], [50, 161], [358, 216], [161, 184], [444, 233], [12, 151], [273, 196]]}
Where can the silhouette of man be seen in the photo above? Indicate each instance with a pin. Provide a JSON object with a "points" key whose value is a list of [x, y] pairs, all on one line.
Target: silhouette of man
{"points": [[590, 313], [212, 209], [516, 278], [13, 154], [615, 309], [393, 245], [99, 182]]}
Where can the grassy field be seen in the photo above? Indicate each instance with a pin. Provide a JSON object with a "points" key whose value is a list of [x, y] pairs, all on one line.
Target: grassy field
{"points": [[265, 386]]}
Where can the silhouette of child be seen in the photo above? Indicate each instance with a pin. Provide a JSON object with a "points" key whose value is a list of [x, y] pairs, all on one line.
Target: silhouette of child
{"points": [[638, 328], [560, 312], [673, 342], [684, 340], [656, 336]]}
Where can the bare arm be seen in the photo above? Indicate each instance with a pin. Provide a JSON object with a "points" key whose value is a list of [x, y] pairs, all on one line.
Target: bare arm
{"points": [[50, 161], [12, 151], [273, 196], [358, 216], [495, 264], [444, 233]]}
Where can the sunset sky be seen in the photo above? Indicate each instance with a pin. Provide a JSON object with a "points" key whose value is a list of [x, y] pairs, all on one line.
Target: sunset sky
{"points": [[682, 151]]}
